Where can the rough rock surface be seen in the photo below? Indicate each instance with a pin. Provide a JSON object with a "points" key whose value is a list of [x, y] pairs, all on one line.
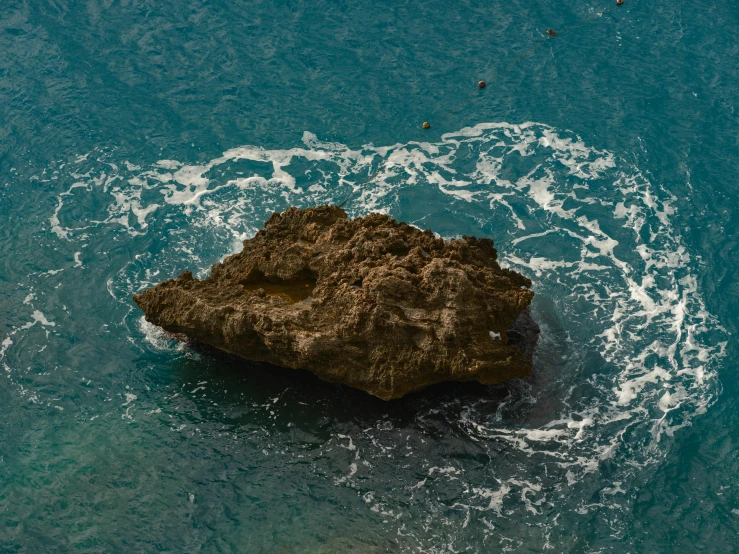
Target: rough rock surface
{"points": [[371, 303]]}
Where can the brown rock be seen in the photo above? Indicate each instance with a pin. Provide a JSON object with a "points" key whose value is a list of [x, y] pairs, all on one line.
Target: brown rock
{"points": [[371, 303]]}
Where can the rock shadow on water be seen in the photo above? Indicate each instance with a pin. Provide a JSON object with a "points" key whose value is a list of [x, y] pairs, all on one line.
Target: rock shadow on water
{"points": [[309, 401]]}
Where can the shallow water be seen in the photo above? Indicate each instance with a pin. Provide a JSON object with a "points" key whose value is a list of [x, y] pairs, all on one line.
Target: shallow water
{"points": [[138, 139]]}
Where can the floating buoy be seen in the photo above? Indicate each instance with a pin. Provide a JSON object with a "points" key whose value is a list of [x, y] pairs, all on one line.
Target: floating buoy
{"points": [[619, 2], [426, 125], [482, 84], [551, 32]]}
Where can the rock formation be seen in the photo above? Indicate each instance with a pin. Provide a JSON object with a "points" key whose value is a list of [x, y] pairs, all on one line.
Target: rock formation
{"points": [[371, 303]]}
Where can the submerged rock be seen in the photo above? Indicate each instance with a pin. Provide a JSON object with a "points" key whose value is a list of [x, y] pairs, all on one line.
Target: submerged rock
{"points": [[371, 303]]}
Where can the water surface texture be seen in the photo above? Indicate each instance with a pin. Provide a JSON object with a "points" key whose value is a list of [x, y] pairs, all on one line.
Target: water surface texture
{"points": [[140, 138]]}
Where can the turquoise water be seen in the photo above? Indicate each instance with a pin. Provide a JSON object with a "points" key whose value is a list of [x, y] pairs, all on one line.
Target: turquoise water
{"points": [[141, 138]]}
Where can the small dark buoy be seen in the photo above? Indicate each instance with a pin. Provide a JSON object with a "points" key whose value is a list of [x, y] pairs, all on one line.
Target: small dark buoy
{"points": [[619, 2], [551, 32], [482, 84], [426, 125]]}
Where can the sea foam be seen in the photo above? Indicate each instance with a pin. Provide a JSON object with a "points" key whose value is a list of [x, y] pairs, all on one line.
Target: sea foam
{"points": [[617, 292]]}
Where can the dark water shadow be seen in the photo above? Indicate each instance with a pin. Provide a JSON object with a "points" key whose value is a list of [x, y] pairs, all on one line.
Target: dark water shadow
{"points": [[304, 398]]}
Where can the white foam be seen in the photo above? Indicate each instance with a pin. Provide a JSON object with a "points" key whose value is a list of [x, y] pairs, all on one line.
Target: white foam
{"points": [[37, 317], [158, 337], [7, 343], [129, 398], [593, 229], [495, 497]]}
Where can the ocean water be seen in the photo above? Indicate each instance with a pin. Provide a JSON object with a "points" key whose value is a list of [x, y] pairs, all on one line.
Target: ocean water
{"points": [[139, 138]]}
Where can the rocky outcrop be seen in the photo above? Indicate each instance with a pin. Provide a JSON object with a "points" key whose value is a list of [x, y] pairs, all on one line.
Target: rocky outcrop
{"points": [[371, 303]]}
